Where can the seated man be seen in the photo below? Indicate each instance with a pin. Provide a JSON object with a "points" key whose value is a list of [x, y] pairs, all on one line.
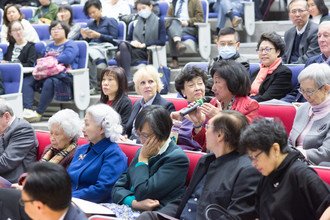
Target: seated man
{"points": [[18, 145], [47, 194], [184, 13]]}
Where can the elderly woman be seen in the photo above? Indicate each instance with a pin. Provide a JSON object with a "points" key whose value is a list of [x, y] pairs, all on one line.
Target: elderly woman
{"points": [[318, 11], [147, 184], [289, 188], [65, 129], [231, 86], [148, 84], [272, 80], [12, 13], [311, 128], [190, 84], [97, 165], [58, 86]]}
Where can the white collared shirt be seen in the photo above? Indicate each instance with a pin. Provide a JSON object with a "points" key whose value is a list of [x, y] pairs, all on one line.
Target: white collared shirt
{"points": [[62, 217], [164, 147], [184, 15], [302, 29]]}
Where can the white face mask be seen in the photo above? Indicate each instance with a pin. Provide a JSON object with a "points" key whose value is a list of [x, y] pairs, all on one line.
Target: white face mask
{"points": [[144, 13], [227, 52]]}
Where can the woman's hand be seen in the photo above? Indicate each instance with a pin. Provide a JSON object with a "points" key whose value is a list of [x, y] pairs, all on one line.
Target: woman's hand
{"points": [[176, 116], [145, 205], [150, 148], [93, 34], [210, 110], [137, 44]]}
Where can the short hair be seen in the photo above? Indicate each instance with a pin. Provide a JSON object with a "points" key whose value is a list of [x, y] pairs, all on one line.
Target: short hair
{"points": [[326, 22], [187, 74], [275, 39], [69, 121], [235, 74], [4, 107], [10, 38], [108, 119], [158, 119], [230, 123], [292, 1], [148, 70], [318, 72], [50, 184], [262, 134], [64, 25], [5, 19], [320, 4], [96, 3], [228, 31], [119, 74], [143, 2], [66, 7]]}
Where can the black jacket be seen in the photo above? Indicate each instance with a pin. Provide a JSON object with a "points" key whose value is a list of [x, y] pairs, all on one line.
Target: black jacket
{"points": [[27, 57]]}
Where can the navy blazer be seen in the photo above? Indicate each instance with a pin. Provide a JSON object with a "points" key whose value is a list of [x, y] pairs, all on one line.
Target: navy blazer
{"points": [[308, 46], [74, 213], [159, 100], [275, 85]]}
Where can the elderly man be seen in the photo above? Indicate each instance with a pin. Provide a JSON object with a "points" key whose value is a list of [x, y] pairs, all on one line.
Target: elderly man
{"points": [[324, 43], [300, 40], [18, 144]]}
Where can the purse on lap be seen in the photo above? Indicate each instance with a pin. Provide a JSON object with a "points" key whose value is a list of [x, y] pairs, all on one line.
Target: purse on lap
{"points": [[46, 67]]}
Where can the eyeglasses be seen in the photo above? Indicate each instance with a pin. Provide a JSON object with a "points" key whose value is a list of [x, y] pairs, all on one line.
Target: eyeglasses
{"points": [[143, 136], [207, 126], [56, 29], [255, 157], [229, 43], [299, 11], [22, 201], [309, 92], [265, 50]]}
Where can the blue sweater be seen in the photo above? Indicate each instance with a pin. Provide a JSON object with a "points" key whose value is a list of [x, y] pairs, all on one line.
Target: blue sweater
{"points": [[67, 53]]}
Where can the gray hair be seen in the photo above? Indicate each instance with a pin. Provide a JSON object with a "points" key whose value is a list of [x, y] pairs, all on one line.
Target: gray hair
{"points": [[108, 118], [324, 23], [69, 121], [318, 72], [150, 71], [4, 107]]}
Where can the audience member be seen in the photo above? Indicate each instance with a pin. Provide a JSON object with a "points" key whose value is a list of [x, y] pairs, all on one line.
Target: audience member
{"points": [[310, 131], [65, 129], [101, 32], [148, 84], [190, 84], [272, 80], [96, 166], [47, 194], [45, 13], [183, 14], [147, 30], [115, 8], [19, 50], [289, 189], [148, 185], [228, 9], [222, 177], [300, 40], [18, 148], [9, 205], [58, 86], [64, 13], [114, 92], [13, 13], [318, 11]]}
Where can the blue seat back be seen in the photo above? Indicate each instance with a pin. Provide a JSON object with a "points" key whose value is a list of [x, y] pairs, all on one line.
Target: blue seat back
{"points": [[163, 8], [1, 18], [40, 48], [4, 48], [12, 76], [42, 31], [27, 12], [83, 50], [254, 67], [121, 30], [295, 69], [201, 65], [78, 14]]}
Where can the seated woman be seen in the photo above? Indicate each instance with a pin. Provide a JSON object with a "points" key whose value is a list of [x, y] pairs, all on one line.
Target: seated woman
{"points": [[289, 189], [148, 84], [273, 79], [140, 38], [45, 13], [318, 11], [148, 184], [19, 50], [311, 127], [13, 13], [97, 166], [101, 32], [64, 13], [58, 86], [190, 84], [114, 92], [65, 128]]}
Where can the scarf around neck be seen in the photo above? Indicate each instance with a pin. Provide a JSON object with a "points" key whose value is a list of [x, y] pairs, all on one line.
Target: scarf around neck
{"points": [[56, 156]]}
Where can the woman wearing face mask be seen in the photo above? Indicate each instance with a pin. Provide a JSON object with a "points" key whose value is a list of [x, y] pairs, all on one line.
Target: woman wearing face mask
{"points": [[140, 38]]}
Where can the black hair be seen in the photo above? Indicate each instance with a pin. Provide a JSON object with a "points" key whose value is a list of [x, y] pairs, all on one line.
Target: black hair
{"points": [[143, 2], [158, 119], [228, 31], [275, 39], [262, 134], [321, 7], [120, 77], [50, 184], [5, 19], [64, 25], [235, 74], [188, 74], [67, 7], [96, 3]]}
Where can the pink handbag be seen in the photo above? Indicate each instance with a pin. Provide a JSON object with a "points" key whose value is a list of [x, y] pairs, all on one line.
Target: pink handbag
{"points": [[46, 67]]}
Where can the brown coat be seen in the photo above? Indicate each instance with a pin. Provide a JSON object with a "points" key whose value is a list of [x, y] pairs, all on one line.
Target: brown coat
{"points": [[195, 11]]}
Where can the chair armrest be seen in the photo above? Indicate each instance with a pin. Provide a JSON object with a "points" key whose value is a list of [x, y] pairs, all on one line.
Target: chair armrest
{"points": [[81, 91], [249, 17], [204, 39], [159, 57], [78, 71], [200, 24]]}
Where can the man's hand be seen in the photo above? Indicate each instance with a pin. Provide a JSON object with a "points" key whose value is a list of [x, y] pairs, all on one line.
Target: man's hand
{"points": [[145, 205]]}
